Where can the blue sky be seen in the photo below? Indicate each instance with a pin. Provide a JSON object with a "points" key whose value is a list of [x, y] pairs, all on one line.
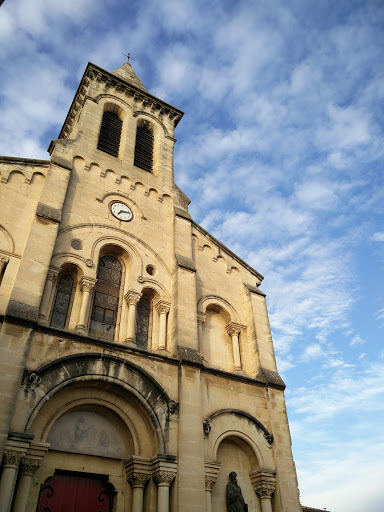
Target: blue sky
{"points": [[280, 151]]}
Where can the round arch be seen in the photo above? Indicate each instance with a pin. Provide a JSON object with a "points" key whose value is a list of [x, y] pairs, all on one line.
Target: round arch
{"points": [[88, 369], [209, 301], [238, 424]]}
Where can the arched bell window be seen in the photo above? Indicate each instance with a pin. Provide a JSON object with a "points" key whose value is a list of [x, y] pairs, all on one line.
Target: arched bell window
{"points": [[144, 147], [62, 302], [110, 133], [106, 299], [143, 321]]}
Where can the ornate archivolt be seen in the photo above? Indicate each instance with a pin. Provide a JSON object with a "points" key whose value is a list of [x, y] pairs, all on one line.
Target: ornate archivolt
{"points": [[243, 426], [85, 370]]}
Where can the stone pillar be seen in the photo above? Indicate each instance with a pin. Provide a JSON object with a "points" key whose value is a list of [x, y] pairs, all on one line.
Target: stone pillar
{"points": [[86, 285], [123, 321], [28, 466], [201, 318], [11, 461], [163, 474], [138, 472], [163, 308], [52, 276], [138, 482], [264, 484], [234, 330], [15, 448], [132, 299], [163, 480], [211, 474]]}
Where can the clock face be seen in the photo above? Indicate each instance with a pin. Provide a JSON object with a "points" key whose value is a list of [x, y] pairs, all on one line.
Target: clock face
{"points": [[121, 211]]}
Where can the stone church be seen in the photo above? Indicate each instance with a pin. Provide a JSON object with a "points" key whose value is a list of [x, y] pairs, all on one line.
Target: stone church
{"points": [[137, 363]]}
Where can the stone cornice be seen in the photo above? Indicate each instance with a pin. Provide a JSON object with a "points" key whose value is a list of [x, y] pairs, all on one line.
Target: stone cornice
{"points": [[98, 74], [15, 160]]}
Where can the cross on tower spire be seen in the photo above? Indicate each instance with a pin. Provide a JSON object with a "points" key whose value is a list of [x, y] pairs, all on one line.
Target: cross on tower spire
{"points": [[128, 56]]}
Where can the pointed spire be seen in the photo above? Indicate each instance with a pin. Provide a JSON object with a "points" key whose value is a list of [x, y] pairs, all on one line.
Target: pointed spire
{"points": [[128, 75]]}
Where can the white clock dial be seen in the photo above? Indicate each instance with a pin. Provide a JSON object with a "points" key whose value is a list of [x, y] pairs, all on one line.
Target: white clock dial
{"points": [[121, 211]]}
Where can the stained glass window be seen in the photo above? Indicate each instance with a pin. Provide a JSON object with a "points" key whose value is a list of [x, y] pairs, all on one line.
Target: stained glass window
{"points": [[62, 301], [106, 299], [143, 314]]}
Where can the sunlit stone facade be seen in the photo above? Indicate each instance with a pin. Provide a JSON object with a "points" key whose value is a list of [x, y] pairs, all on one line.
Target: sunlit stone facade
{"points": [[137, 364]]}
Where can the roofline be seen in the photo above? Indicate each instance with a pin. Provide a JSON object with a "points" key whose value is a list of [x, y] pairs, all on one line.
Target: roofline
{"points": [[20, 160], [228, 251]]}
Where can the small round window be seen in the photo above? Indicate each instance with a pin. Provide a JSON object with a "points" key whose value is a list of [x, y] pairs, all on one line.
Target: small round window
{"points": [[77, 245], [150, 270]]}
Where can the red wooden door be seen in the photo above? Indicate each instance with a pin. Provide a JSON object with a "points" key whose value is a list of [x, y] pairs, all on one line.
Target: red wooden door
{"points": [[74, 493]]}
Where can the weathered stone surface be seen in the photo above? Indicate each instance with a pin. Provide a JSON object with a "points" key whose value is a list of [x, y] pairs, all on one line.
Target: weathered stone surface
{"points": [[22, 311], [48, 212]]}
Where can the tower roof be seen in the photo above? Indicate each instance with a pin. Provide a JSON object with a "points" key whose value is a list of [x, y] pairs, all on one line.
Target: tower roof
{"points": [[128, 75]]}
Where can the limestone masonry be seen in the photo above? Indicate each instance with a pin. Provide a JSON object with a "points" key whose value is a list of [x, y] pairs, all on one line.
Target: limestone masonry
{"points": [[137, 364]]}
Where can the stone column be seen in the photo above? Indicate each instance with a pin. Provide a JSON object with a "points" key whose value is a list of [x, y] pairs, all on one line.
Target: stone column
{"points": [[163, 308], [52, 276], [264, 484], [163, 473], [234, 330], [132, 299], [86, 285], [11, 461], [28, 466], [163, 480], [201, 318], [211, 473], [123, 321], [138, 482], [138, 472]]}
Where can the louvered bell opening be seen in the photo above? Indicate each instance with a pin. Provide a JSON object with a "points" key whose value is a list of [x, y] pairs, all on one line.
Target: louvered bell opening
{"points": [[110, 134], [144, 149]]}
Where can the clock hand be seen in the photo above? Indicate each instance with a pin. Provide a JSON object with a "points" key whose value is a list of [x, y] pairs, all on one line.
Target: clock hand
{"points": [[122, 211]]}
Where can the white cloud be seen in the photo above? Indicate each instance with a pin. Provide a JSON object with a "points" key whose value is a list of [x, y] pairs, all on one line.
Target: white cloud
{"points": [[378, 236], [357, 340]]}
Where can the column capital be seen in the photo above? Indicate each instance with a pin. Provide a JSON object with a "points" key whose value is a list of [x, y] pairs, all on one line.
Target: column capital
{"points": [[265, 490], [163, 307], [201, 318], [234, 329], [12, 458], [53, 274], [138, 479], [87, 284], [211, 473], [263, 482], [163, 478], [132, 297], [29, 466]]}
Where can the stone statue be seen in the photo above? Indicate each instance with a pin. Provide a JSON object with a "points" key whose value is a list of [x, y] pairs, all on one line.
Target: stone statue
{"points": [[235, 500]]}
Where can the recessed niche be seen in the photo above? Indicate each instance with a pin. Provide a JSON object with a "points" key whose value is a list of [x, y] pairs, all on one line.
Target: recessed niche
{"points": [[150, 270], [77, 245]]}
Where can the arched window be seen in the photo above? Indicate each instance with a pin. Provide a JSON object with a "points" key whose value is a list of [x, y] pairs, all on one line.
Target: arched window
{"points": [[143, 316], [62, 302], [110, 133], [144, 147], [106, 299]]}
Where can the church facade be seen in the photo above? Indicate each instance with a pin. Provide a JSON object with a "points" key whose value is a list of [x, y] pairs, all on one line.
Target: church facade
{"points": [[137, 363]]}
